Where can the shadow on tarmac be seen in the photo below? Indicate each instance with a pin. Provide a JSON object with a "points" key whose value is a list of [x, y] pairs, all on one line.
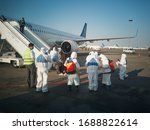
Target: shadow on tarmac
{"points": [[131, 95], [135, 72]]}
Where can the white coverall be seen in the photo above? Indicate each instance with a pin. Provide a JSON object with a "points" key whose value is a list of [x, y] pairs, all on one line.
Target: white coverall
{"points": [[123, 65], [93, 66], [73, 78], [54, 55], [42, 71], [106, 79]]}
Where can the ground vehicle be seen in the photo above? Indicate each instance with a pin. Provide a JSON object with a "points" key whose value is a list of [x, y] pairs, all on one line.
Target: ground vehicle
{"points": [[13, 58], [129, 50]]}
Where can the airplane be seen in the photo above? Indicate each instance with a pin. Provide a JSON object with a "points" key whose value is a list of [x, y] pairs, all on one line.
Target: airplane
{"points": [[66, 41]]}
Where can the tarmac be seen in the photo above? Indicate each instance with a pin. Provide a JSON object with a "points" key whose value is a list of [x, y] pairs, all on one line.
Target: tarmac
{"points": [[129, 96]]}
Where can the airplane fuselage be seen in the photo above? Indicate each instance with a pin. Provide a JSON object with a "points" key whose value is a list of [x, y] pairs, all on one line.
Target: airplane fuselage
{"points": [[51, 36]]}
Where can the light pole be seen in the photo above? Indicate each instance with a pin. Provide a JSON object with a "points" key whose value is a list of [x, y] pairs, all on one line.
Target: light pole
{"points": [[130, 30]]}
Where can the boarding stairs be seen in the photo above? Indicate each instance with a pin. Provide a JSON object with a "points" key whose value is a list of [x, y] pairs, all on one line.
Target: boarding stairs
{"points": [[9, 30]]}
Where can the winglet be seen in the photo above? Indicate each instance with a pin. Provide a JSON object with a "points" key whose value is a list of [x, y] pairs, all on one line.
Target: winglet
{"points": [[83, 33]]}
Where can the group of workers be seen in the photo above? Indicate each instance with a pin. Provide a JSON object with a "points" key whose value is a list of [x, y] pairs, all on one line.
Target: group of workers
{"points": [[95, 63], [39, 67], [43, 63]]}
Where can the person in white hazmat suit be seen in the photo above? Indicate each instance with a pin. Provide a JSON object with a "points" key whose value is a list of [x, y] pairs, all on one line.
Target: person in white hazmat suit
{"points": [[93, 66], [42, 71], [73, 77], [54, 55], [122, 67], [106, 78]]}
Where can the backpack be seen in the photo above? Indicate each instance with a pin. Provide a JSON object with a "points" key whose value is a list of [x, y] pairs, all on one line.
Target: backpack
{"points": [[111, 65], [70, 67]]}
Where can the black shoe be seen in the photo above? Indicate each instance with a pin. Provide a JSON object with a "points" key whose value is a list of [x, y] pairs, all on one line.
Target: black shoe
{"points": [[77, 88], [90, 90], [70, 87], [109, 87], [47, 92], [103, 85]]}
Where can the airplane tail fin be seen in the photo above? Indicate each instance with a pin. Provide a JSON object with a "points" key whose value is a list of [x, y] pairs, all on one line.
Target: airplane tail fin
{"points": [[83, 33]]}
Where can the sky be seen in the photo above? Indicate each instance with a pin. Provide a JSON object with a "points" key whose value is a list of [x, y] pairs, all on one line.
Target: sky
{"points": [[104, 18]]}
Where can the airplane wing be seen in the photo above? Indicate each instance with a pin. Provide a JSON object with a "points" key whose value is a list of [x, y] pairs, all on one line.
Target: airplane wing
{"points": [[79, 41]]}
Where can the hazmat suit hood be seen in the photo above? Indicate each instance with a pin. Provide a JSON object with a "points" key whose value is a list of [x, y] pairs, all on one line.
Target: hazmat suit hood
{"points": [[123, 55], [91, 53], [90, 56], [74, 55], [43, 50], [54, 49], [123, 60], [104, 60], [96, 55], [59, 49], [103, 57]]}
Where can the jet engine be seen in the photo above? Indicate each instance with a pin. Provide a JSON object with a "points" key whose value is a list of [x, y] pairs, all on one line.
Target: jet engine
{"points": [[69, 46]]}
